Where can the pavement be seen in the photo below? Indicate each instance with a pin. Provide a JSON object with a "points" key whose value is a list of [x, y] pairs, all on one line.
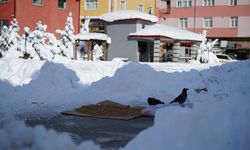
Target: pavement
{"points": [[109, 134]]}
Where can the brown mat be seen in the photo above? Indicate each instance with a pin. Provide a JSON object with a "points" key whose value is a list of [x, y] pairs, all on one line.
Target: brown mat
{"points": [[107, 109]]}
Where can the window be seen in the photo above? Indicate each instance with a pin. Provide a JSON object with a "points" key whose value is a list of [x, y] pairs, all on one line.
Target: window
{"points": [[234, 22], [232, 2], [62, 4], [37, 2], [208, 22], [208, 2], [3, 23], [3, 1], [141, 8], [91, 4], [184, 3], [183, 23], [123, 5]]}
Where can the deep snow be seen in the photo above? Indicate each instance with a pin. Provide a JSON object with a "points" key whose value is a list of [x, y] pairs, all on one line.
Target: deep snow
{"points": [[218, 118]]}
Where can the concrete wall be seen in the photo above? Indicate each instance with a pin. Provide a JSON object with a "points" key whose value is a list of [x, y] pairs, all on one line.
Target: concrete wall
{"points": [[121, 46], [244, 26]]}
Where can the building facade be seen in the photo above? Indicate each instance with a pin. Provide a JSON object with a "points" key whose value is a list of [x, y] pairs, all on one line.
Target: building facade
{"points": [[29, 12], [95, 8], [227, 20]]}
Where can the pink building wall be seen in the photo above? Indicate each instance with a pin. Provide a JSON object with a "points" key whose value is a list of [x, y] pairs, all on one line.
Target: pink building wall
{"points": [[28, 14], [221, 13]]}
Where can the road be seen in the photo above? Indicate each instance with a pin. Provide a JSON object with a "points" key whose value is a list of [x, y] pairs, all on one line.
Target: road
{"points": [[107, 133]]}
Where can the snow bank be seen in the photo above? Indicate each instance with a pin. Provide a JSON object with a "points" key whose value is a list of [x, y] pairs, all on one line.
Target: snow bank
{"points": [[167, 32], [218, 120], [18, 71], [128, 14], [16, 135], [211, 124]]}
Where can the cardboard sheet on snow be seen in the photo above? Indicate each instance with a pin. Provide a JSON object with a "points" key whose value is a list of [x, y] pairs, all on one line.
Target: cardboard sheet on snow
{"points": [[106, 109]]}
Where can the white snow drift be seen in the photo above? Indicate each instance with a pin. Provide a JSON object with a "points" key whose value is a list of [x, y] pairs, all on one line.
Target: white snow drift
{"points": [[219, 118]]}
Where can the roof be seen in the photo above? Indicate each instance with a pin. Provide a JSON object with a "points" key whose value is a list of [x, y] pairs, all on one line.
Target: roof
{"points": [[168, 32], [128, 15], [93, 36]]}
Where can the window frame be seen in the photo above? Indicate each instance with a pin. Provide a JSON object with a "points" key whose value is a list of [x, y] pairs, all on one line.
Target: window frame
{"points": [[233, 2], [37, 4], [206, 21], [94, 6], [184, 3], [208, 3], [64, 8], [3, 1], [183, 23], [234, 22]]}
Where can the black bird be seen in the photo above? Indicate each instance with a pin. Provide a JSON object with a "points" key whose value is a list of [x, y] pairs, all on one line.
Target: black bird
{"points": [[154, 101], [181, 98]]}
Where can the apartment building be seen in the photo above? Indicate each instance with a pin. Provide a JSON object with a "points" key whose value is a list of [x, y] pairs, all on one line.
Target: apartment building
{"points": [[95, 8], [29, 12], [227, 20]]}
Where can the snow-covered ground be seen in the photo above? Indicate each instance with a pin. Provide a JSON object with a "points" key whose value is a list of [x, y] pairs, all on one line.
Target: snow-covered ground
{"points": [[218, 118], [42, 87]]}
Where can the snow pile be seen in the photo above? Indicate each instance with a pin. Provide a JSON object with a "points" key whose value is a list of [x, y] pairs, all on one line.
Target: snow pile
{"points": [[53, 84], [126, 15], [218, 120], [167, 32], [45, 88], [211, 124], [19, 72], [16, 135]]}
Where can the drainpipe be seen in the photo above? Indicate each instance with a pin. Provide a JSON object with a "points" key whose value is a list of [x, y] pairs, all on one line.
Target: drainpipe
{"points": [[194, 15]]}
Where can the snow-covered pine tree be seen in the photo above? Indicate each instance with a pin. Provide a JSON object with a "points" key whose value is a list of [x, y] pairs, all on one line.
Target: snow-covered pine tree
{"points": [[67, 37], [39, 44], [4, 38], [10, 40]]}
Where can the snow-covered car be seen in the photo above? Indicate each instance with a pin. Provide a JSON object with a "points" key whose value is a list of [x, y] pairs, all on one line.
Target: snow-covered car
{"points": [[223, 58]]}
